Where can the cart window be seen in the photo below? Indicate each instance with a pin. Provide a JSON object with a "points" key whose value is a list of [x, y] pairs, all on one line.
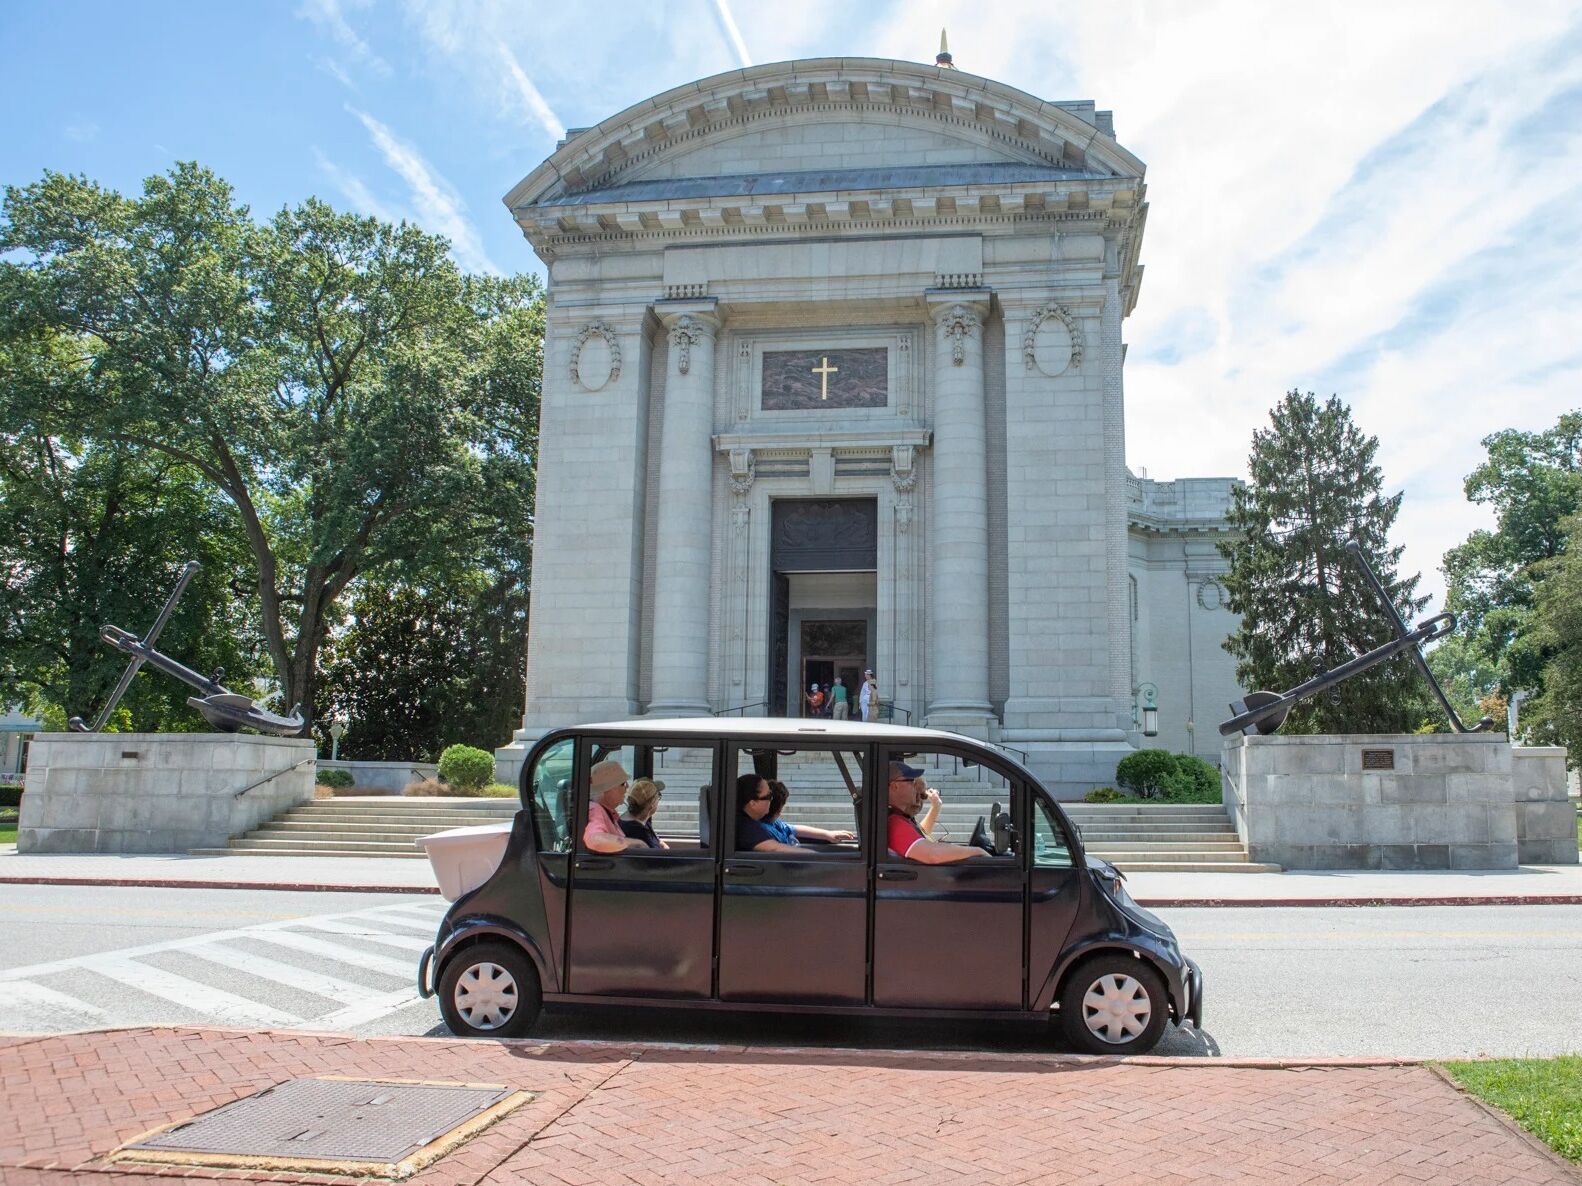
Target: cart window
{"points": [[1050, 850], [965, 792], [806, 799], [665, 802], [550, 788]]}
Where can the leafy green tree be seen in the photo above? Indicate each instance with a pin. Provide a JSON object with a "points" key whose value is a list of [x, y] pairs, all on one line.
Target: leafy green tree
{"points": [[1304, 605], [93, 533], [357, 401], [1556, 711], [421, 666], [1532, 481]]}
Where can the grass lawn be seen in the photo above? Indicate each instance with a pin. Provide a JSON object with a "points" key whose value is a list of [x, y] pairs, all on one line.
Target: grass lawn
{"points": [[7, 834], [1543, 1095]]}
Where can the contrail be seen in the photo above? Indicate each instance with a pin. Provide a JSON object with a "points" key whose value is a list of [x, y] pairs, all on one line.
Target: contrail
{"points": [[531, 99], [731, 31]]}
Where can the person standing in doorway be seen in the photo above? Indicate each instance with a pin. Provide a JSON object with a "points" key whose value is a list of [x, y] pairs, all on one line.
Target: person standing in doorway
{"points": [[842, 707], [868, 699], [815, 702]]}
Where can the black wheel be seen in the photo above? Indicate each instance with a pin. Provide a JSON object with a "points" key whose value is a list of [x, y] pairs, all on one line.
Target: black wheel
{"points": [[1114, 1004], [490, 990]]}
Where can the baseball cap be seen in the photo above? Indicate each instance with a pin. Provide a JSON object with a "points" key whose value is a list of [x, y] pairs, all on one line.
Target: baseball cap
{"points": [[902, 770]]}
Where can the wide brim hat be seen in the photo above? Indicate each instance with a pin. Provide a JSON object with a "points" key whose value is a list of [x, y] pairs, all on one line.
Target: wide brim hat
{"points": [[604, 776]]}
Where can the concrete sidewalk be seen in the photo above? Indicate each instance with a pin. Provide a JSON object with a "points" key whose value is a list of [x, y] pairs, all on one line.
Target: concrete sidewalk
{"points": [[1531, 884], [648, 1113]]}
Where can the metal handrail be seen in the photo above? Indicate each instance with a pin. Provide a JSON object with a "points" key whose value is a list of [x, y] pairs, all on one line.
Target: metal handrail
{"points": [[742, 708], [892, 708], [271, 777]]}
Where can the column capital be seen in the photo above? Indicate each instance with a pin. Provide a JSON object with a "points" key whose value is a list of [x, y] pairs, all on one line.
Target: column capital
{"points": [[701, 312], [951, 303]]}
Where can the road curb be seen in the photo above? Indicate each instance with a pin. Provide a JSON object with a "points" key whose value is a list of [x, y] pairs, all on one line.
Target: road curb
{"points": [[1283, 903], [310, 887]]}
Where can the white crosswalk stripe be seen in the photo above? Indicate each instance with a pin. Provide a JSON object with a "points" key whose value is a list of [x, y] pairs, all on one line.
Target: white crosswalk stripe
{"points": [[324, 978]]}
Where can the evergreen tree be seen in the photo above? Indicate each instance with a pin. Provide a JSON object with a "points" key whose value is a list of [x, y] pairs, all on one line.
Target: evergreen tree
{"points": [[1304, 605]]}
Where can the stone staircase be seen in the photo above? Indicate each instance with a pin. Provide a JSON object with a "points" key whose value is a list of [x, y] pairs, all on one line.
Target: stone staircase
{"points": [[1163, 837], [1137, 837], [363, 826]]}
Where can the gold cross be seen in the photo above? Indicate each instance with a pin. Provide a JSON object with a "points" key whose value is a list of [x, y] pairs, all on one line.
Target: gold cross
{"points": [[824, 372]]}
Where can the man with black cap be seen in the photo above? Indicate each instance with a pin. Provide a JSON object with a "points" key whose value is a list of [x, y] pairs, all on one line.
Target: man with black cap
{"points": [[906, 839]]}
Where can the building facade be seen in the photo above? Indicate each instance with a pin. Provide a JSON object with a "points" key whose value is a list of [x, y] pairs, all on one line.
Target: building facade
{"points": [[833, 381]]}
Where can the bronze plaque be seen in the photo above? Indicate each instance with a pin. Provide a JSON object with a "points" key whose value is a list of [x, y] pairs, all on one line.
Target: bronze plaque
{"points": [[805, 380], [1378, 759]]}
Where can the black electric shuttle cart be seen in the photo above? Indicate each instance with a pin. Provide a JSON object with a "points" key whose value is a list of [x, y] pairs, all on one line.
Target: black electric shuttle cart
{"points": [[1021, 925]]}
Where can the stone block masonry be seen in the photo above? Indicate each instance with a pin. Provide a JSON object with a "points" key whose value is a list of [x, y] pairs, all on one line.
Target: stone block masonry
{"points": [[157, 792], [1388, 801]]}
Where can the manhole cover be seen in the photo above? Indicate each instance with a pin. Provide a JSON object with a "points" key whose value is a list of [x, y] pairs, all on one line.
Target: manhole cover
{"points": [[390, 1129]]}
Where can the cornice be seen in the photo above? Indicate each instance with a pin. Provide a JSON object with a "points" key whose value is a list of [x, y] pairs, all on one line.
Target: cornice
{"points": [[1062, 134]]}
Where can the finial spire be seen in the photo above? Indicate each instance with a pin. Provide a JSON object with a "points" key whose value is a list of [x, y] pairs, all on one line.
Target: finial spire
{"points": [[942, 59]]}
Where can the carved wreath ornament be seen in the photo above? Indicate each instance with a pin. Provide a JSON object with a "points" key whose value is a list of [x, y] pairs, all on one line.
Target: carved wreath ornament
{"points": [[1030, 339], [595, 329]]}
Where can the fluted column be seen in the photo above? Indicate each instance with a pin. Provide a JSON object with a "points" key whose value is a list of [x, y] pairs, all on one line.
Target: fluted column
{"points": [[958, 561], [681, 584]]}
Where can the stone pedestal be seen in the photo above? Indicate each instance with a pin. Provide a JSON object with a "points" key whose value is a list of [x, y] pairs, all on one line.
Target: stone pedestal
{"points": [[157, 792], [1389, 801]]}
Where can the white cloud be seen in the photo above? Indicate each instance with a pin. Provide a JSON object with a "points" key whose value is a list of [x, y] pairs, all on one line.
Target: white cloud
{"points": [[330, 16], [83, 133], [437, 206], [355, 190]]}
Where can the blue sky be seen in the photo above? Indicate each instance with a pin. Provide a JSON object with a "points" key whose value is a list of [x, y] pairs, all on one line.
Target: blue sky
{"points": [[1383, 201]]}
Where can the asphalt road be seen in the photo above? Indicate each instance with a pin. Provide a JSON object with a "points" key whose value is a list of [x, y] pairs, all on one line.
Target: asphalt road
{"points": [[1424, 981]]}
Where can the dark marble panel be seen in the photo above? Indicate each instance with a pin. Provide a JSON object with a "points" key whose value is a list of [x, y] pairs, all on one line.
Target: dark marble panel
{"points": [[796, 380]]}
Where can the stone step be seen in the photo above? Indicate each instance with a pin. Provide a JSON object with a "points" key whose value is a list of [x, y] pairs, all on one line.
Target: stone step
{"points": [[1124, 857], [299, 852], [251, 843], [1141, 843], [347, 827]]}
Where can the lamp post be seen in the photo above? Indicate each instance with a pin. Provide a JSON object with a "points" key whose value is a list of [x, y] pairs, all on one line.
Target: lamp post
{"points": [[337, 731], [1145, 708]]}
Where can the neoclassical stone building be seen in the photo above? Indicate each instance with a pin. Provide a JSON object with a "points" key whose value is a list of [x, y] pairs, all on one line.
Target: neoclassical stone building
{"points": [[833, 380]]}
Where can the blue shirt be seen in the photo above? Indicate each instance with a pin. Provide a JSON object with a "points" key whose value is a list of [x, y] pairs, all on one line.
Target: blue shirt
{"points": [[750, 833], [782, 831]]}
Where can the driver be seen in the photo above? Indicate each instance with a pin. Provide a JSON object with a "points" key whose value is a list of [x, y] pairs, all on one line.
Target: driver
{"points": [[907, 792]]}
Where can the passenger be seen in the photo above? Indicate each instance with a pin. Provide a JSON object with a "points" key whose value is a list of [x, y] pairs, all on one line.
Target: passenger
{"points": [[789, 833], [607, 783], [928, 816], [642, 800], [754, 800], [906, 838]]}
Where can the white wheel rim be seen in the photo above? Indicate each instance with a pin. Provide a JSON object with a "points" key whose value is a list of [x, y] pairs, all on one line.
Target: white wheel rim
{"points": [[1116, 1008], [485, 996]]}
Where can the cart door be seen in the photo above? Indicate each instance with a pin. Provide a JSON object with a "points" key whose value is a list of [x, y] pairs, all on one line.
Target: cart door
{"points": [[641, 921], [794, 924], [951, 936]]}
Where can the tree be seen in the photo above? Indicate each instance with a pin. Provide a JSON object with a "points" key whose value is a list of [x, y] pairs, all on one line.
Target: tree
{"points": [[1556, 712], [93, 533], [423, 666], [1533, 481], [357, 401], [1304, 605]]}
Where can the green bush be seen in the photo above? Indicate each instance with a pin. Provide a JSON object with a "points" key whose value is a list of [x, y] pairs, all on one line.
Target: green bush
{"points": [[466, 766], [499, 790], [1147, 772], [10, 794], [335, 778], [1170, 778], [1103, 795]]}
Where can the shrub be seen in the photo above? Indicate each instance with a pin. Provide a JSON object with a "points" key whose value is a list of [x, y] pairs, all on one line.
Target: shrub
{"points": [[1103, 795], [1147, 772], [430, 787], [499, 790], [465, 766], [323, 791], [10, 794], [1171, 778], [335, 778]]}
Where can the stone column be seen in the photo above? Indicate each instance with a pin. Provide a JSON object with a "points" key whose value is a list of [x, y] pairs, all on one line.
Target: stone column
{"points": [[959, 547], [686, 462]]}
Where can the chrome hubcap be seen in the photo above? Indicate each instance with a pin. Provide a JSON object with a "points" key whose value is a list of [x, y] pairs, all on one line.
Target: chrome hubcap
{"points": [[1116, 1008], [486, 996]]}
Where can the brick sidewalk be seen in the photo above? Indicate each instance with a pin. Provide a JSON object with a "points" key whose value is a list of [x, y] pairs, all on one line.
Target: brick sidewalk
{"points": [[608, 1113]]}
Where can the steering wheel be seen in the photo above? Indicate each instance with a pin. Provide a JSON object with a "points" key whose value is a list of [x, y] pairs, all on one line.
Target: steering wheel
{"points": [[980, 836]]}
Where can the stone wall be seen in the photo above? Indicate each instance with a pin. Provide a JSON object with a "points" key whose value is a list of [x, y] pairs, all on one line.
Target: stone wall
{"points": [[380, 778], [1546, 822], [1388, 801], [156, 792]]}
